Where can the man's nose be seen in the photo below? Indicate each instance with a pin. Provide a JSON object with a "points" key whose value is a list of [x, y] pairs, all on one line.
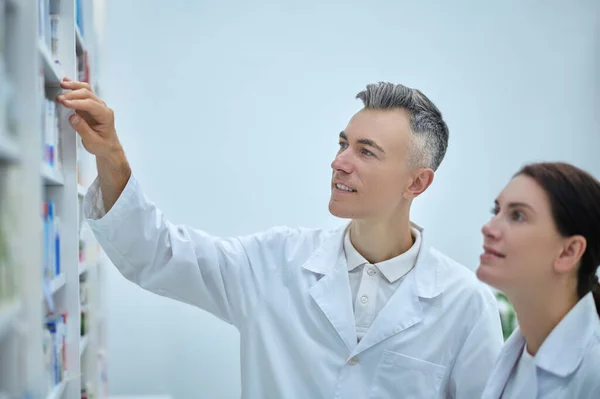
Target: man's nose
{"points": [[342, 163]]}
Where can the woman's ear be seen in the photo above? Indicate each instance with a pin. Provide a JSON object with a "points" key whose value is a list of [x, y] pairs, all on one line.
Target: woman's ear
{"points": [[571, 253], [420, 181]]}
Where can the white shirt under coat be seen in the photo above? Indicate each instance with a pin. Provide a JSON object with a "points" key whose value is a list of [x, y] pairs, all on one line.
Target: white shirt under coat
{"points": [[373, 285]]}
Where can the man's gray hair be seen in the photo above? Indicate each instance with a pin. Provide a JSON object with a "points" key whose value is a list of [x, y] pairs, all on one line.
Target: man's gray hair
{"points": [[429, 129]]}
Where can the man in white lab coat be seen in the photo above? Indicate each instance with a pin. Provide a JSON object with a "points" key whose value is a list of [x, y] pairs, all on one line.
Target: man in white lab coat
{"points": [[367, 310]]}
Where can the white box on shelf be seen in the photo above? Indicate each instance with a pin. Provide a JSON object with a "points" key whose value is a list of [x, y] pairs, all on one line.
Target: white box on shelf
{"points": [[83, 344], [81, 190], [58, 391], [57, 283], [53, 73]]}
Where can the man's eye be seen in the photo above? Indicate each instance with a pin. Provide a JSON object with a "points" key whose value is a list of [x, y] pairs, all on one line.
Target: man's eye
{"points": [[367, 153], [495, 211], [343, 145]]}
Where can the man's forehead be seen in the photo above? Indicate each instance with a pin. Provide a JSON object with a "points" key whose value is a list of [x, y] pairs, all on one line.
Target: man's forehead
{"points": [[387, 127]]}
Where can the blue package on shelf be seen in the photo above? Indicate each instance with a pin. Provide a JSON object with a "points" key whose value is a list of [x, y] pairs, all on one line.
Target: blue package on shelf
{"points": [[50, 254], [51, 325], [51, 261], [46, 243], [57, 244], [79, 16]]}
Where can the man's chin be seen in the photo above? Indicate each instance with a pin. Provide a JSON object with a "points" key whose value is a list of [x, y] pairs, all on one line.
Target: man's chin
{"points": [[338, 211]]}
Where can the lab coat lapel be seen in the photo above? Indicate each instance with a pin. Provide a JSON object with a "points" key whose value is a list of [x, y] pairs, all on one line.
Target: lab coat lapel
{"points": [[404, 310], [401, 312], [504, 365], [331, 292]]}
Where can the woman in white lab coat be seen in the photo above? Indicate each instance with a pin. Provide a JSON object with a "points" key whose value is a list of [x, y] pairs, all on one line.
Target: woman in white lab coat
{"points": [[542, 249]]}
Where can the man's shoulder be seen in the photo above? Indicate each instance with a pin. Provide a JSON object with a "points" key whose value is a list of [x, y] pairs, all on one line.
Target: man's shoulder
{"points": [[290, 237], [460, 281]]}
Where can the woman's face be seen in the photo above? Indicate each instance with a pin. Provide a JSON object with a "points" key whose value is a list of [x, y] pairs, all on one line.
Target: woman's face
{"points": [[521, 241]]}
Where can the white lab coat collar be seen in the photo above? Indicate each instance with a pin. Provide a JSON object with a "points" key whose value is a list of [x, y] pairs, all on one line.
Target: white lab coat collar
{"points": [[558, 355], [332, 293], [426, 270], [392, 269], [576, 329]]}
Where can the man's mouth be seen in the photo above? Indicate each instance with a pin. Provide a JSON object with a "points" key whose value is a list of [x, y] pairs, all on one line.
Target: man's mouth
{"points": [[342, 187]]}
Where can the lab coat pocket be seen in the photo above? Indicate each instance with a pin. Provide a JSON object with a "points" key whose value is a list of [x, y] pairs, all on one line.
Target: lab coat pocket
{"points": [[401, 376]]}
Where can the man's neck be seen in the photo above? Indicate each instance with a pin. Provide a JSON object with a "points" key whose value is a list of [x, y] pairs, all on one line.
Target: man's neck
{"points": [[378, 241], [540, 314]]}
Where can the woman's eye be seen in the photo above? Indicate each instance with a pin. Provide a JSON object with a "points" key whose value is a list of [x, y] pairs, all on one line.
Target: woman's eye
{"points": [[495, 211], [518, 216]]}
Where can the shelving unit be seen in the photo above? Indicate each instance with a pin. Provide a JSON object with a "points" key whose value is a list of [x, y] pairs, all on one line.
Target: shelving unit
{"points": [[9, 315], [9, 152], [51, 319]]}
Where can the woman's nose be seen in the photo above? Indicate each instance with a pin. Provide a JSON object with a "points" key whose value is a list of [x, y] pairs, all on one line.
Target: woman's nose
{"points": [[490, 229]]}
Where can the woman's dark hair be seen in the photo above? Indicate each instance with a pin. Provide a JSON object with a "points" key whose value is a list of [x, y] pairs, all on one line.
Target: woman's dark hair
{"points": [[574, 198]]}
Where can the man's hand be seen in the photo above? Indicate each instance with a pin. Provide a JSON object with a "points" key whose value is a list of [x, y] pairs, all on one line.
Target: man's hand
{"points": [[95, 123], [93, 120]]}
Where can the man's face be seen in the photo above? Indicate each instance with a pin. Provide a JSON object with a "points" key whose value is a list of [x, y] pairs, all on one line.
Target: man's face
{"points": [[370, 171]]}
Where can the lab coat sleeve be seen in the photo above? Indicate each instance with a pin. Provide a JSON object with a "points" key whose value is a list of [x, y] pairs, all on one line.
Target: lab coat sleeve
{"points": [[171, 260], [479, 353]]}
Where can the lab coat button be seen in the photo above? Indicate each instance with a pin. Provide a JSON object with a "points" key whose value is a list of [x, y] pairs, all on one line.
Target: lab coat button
{"points": [[371, 271], [364, 299], [353, 361]]}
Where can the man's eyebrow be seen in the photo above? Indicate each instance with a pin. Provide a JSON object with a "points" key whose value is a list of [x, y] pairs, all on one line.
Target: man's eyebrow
{"points": [[368, 142]]}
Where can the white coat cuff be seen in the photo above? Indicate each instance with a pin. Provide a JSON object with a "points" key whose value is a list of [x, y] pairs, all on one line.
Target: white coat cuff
{"points": [[93, 205]]}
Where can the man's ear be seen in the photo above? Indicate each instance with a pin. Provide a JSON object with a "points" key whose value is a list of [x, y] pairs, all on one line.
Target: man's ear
{"points": [[420, 181], [570, 255]]}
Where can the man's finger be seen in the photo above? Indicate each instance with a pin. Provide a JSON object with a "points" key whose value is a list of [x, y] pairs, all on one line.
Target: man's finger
{"points": [[94, 108], [82, 127], [78, 94], [74, 85]]}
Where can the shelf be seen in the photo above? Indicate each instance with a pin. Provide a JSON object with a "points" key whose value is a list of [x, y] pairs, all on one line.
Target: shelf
{"points": [[83, 344], [9, 313], [81, 190], [57, 283], [84, 267], [58, 391], [9, 151], [53, 72], [52, 176], [34, 74], [79, 43]]}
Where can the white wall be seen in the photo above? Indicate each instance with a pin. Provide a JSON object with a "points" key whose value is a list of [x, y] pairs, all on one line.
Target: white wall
{"points": [[229, 112]]}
